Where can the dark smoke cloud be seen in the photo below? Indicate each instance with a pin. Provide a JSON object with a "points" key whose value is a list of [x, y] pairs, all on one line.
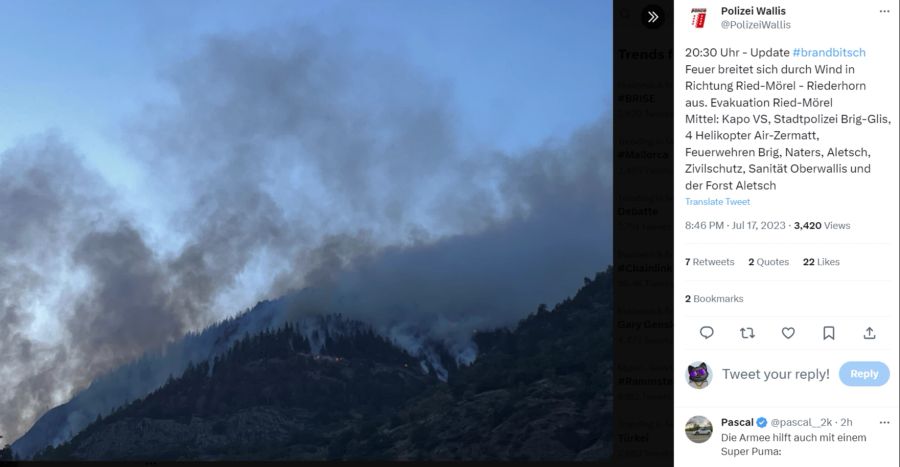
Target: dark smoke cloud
{"points": [[446, 289], [47, 198], [68, 250], [322, 165], [130, 307], [338, 138]]}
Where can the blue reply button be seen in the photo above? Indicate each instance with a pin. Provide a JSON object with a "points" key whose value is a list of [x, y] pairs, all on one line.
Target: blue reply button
{"points": [[864, 373]]}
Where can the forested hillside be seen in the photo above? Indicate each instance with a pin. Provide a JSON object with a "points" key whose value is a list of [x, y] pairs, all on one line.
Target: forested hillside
{"points": [[539, 391]]}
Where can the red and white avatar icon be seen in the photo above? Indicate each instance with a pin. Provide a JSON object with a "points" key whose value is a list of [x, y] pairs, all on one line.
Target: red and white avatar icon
{"points": [[698, 17]]}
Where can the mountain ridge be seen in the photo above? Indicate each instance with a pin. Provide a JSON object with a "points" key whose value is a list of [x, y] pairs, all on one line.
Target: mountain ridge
{"points": [[140, 377], [539, 391]]}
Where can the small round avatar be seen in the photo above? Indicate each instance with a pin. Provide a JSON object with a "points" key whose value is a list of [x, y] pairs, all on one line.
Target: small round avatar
{"points": [[698, 429], [698, 375]]}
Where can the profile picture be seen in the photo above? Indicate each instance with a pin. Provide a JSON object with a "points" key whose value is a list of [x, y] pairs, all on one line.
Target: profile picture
{"points": [[698, 375], [698, 429]]}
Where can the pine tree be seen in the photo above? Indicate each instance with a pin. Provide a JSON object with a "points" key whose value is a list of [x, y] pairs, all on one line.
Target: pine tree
{"points": [[6, 453]]}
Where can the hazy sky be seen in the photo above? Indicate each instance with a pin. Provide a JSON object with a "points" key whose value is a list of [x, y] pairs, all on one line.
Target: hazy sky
{"points": [[244, 147], [520, 71]]}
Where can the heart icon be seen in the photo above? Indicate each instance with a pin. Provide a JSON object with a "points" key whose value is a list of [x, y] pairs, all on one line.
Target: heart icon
{"points": [[787, 332]]}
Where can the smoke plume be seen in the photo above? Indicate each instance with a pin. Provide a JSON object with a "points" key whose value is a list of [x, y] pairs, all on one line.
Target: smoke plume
{"points": [[286, 162]]}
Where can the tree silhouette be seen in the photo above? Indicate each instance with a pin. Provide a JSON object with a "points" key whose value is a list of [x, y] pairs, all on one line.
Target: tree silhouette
{"points": [[6, 453]]}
